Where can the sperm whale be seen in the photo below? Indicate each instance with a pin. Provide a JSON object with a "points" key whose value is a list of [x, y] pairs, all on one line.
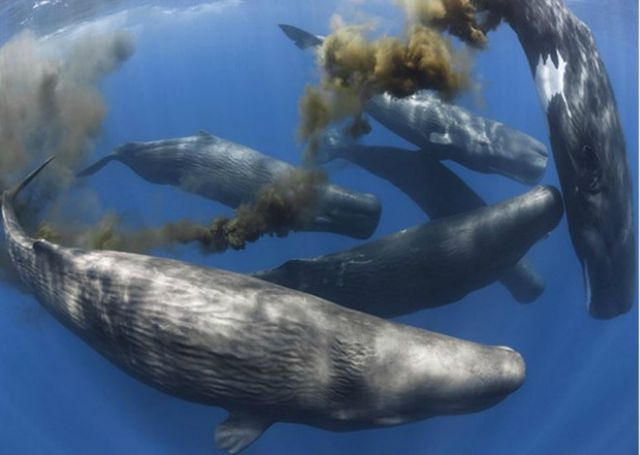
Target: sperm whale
{"points": [[449, 132], [587, 143], [232, 174], [434, 188], [429, 265], [265, 353]]}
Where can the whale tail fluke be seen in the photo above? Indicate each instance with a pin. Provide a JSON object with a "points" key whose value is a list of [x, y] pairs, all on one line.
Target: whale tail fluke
{"points": [[302, 39], [239, 431], [95, 167], [333, 144]]}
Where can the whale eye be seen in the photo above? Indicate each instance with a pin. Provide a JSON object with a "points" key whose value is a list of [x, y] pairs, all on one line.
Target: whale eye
{"points": [[590, 170]]}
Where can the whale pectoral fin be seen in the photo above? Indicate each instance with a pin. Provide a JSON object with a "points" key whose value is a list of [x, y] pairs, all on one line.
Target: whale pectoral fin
{"points": [[239, 430]]}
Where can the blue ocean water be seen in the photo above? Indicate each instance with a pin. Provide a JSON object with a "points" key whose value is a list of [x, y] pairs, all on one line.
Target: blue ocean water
{"points": [[225, 67]]}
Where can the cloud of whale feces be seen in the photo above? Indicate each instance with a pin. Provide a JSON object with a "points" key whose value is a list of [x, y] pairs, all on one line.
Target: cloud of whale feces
{"points": [[49, 104], [287, 204], [354, 68]]}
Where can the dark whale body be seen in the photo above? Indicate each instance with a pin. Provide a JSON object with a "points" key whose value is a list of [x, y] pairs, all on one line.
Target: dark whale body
{"points": [[450, 132], [429, 265], [438, 191], [232, 174], [263, 352], [587, 142]]}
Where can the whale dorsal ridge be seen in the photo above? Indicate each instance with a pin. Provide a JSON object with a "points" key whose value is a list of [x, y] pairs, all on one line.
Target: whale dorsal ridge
{"points": [[239, 430], [205, 136]]}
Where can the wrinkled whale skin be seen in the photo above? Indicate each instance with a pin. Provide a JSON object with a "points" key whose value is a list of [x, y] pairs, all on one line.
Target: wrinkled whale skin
{"points": [[232, 174], [437, 190], [451, 132], [587, 143], [264, 352], [429, 265]]}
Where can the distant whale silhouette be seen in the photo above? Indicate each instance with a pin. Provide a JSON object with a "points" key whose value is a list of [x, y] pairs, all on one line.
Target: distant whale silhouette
{"points": [[232, 174], [429, 265], [265, 353], [587, 142], [434, 188], [450, 132]]}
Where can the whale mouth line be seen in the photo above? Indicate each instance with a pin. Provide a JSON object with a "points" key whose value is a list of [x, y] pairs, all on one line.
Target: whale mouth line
{"points": [[587, 283], [354, 224]]}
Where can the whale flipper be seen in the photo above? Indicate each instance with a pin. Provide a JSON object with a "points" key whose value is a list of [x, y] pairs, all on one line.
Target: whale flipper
{"points": [[302, 39], [95, 167], [239, 431]]}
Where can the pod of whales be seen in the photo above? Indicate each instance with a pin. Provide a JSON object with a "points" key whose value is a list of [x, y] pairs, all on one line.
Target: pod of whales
{"points": [[429, 265], [585, 134], [232, 174], [434, 188], [587, 142], [265, 353], [450, 132]]}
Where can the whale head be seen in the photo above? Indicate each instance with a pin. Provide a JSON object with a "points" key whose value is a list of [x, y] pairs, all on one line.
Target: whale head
{"points": [[426, 374], [346, 212], [602, 230], [531, 154], [591, 160]]}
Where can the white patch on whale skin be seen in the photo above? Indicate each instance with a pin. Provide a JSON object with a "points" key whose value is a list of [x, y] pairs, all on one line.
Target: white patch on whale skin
{"points": [[550, 79]]}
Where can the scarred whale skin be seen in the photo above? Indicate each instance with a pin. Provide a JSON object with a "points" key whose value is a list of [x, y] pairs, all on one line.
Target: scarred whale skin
{"points": [[451, 132], [587, 143], [437, 190], [232, 174], [429, 265], [265, 353]]}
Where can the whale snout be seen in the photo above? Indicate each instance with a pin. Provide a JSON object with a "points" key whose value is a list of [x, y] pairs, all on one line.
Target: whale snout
{"points": [[544, 206], [513, 370], [609, 278], [529, 155], [346, 212], [504, 375]]}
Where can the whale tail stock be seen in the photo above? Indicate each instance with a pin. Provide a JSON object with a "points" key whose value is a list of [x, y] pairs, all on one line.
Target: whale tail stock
{"points": [[13, 192], [302, 39], [95, 167]]}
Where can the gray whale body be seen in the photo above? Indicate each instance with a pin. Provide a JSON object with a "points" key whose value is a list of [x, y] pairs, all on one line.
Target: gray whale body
{"points": [[587, 143], [450, 132], [429, 265], [437, 190], [232, 174], [263, 352]]}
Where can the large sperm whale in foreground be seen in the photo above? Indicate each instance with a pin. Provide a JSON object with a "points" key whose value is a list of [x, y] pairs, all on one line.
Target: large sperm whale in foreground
{"points": [[429, 265], [587, 142], [450, 132], [233, 174], [265, 353], [434, 188]]}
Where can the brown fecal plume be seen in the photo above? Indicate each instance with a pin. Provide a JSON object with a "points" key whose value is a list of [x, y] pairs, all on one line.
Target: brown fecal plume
{"points": [[288, 204], [354, 68], [50, 104]]}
